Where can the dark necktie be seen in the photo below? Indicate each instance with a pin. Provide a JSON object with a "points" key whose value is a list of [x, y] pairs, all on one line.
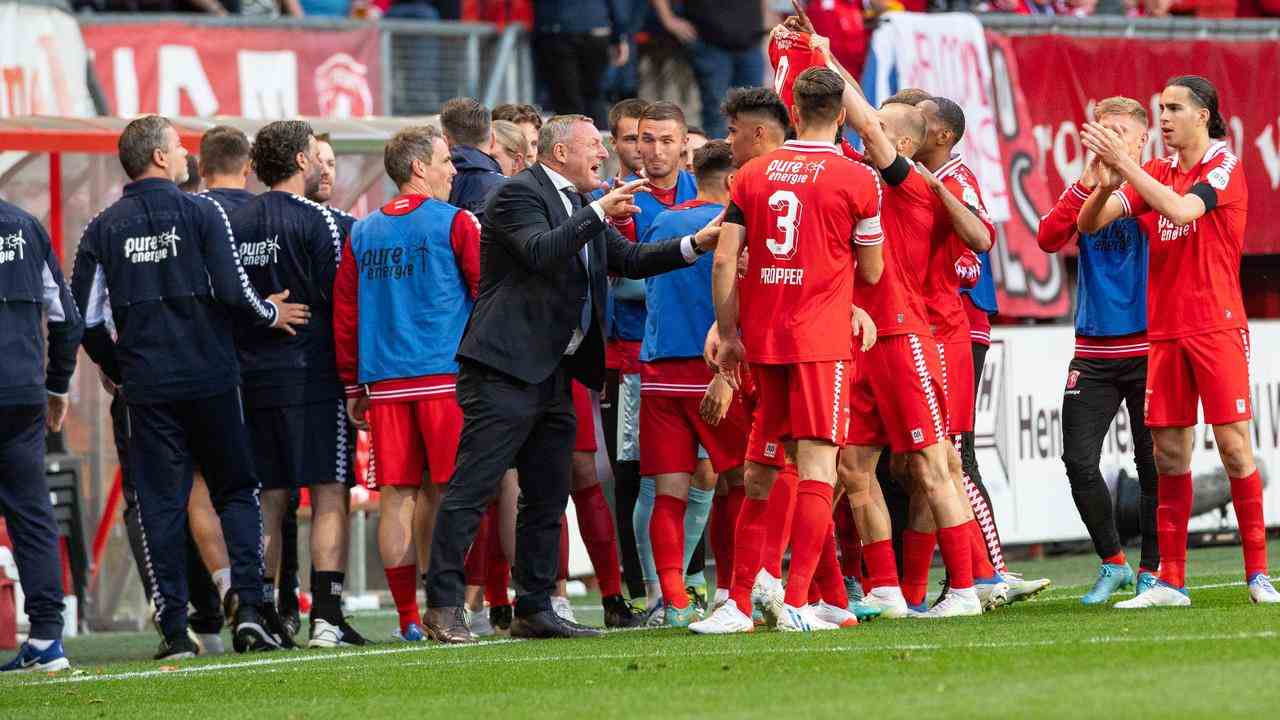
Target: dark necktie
{"points": [[584, 320]]}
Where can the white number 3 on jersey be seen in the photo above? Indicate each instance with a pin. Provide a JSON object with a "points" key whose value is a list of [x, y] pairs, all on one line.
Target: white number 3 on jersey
{"points": [[787, 206]]}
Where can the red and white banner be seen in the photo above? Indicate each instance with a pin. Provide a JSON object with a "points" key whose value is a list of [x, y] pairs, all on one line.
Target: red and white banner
{"points": [[198, 70], [1062, 77], [42, 63], [950, 55]]}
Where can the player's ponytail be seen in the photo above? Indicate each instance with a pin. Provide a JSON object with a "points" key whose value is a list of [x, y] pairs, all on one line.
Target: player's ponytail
{"points": [[1206, 96]]}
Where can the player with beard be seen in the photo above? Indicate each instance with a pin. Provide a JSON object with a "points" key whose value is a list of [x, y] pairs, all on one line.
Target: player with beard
{"points": [[293, 398], [1196, 202], [800, 275], [968, 231]]}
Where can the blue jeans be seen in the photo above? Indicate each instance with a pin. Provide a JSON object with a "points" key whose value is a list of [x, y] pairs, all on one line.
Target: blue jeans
{"points": [[717, 70]]}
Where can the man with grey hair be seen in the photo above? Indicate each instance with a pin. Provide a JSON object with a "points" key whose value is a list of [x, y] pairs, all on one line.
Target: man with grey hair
{"points": [[468, 130], [155, 276], [399, 311], [536, 326]]}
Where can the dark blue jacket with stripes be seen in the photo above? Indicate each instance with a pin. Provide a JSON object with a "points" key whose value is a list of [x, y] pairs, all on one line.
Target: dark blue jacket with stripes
{"points": [[30, 284], [160, 286], [288, 242]]}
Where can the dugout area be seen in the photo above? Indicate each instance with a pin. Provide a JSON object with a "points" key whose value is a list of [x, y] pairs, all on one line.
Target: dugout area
{"points": [[64, 171]]}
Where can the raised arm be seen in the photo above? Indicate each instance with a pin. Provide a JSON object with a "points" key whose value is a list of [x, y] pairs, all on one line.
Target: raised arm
{"points": [[1058, 226], [967, 221]]}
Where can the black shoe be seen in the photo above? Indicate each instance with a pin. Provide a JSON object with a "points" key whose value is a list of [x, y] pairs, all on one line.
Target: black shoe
{"points": [[546, 624], [250, 634], [290, 618], [618, 613], [272, 623], [448, 625], [500, 617], [180, 647]]}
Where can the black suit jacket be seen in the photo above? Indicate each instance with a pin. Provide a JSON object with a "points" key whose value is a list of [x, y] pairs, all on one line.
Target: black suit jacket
{"points": [[532, 283]]}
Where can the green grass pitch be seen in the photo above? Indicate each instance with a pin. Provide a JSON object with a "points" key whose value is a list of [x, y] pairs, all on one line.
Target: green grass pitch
{"points": [[1048, 658]]}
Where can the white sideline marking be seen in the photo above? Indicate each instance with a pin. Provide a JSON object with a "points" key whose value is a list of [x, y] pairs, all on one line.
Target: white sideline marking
{"points": [[679, 652]]}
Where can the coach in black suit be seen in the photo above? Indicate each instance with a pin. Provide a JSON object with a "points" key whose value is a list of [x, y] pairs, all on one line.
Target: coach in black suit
{"points": [[538, 323]]}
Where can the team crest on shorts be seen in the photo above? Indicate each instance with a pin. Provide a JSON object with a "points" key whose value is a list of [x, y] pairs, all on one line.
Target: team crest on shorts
{"points": [[917, 435], [770, 450], [1240, 405], [1072, 378]]}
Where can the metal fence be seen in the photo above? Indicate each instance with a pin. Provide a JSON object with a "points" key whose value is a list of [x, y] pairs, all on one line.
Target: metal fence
{"points": [[1165, 28]]}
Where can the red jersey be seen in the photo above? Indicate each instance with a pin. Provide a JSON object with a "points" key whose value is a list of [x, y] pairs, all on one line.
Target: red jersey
{"points": [[942, 287], [896, 303], [804, 205], [1194, 280], [790, 54]]}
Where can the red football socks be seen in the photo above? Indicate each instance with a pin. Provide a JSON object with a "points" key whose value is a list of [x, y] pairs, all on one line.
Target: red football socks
{"points": [[724, 521], [955, 542], [917, 557], [809, 530], [782, 505], [564, 548], [1174, 494], [850, 543], [882, 567], [982, 567], [748, 550], [666, 534], [403, 583], [476, 564], [595, 522], [1246, 498], [828, 578], [498, 576], [1117, 559]]}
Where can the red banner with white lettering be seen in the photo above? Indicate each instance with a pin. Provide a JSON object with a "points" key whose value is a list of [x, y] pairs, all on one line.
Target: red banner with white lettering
{"points": [[198, 70], [1062, 77]]}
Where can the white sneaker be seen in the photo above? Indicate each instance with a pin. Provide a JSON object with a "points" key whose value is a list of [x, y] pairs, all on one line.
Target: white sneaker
{"points": [[992, 594], [210, 643], [956, 603], [726, 620], [1022, 589], [325, 635], [838, 616], [889, 600], [768, 595], [478, 622], [1262, 591], [1161, 595], [802, 619], [561, 606]]}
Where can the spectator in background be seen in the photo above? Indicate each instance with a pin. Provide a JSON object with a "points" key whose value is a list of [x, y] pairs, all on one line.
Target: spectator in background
{"points": [[697, 137], [526, 117], [192, 183], [467, 128], [724, 48], [574, 41], [623, 81], [510, 148]]}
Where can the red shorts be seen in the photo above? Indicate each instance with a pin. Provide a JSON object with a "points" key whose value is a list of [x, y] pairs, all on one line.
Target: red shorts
{"points": [[801, 401], [957, 383], [585, 440], [897, 398], [414, 436], [1212, 368], [671, 431]]}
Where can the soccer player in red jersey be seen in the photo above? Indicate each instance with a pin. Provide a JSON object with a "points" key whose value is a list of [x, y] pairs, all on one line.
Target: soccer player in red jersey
{"points": [[897, 398], [803, 210], [1194, 205], [968, 231]]}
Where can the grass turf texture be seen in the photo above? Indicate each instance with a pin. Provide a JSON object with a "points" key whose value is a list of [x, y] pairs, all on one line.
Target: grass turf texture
{"points": [[1047, 658]]}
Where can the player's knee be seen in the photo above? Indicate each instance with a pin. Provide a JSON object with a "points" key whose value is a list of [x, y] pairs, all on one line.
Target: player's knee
{"points": [[759, 481], [1171, 457], [1237, 458]]}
